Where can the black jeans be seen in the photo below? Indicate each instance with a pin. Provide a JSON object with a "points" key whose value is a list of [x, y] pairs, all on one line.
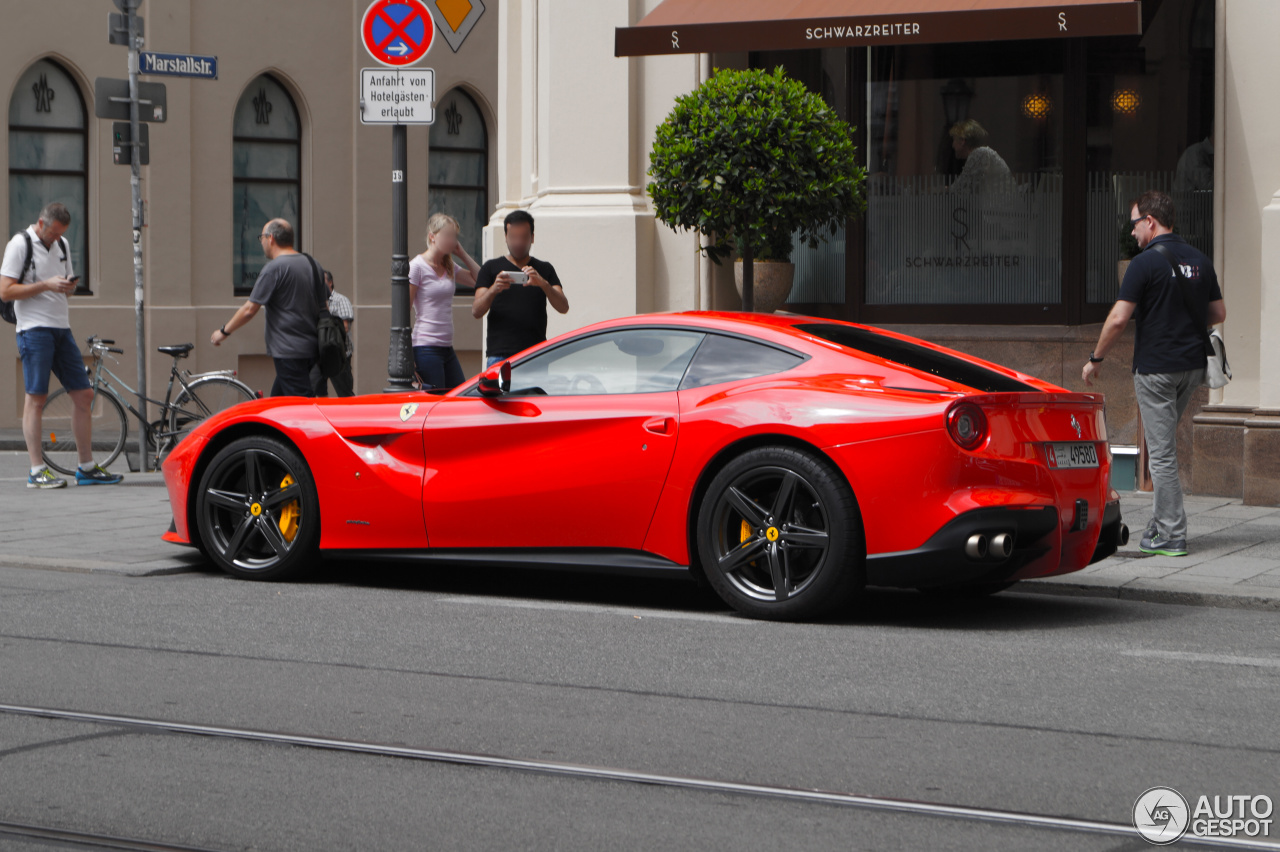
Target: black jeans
{"points": [[343, 383], [293, 377]]}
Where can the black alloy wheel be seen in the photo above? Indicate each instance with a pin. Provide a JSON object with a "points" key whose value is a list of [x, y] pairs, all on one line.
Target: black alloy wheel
{"points": [[780, 535], [258, 511]]}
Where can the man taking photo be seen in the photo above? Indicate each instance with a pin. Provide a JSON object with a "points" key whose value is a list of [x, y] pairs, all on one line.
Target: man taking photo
{"points": [[516, 303]]}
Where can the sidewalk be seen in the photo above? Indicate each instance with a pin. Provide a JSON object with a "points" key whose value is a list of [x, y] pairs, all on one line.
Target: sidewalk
{"points": [[1234, 560]]}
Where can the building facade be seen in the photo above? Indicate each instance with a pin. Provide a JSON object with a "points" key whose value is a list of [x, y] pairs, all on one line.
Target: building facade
{"points": [[1019, 267], [277, 134]]}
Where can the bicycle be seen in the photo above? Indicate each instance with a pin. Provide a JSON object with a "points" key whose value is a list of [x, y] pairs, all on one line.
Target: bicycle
{"points": [[201, 395]]}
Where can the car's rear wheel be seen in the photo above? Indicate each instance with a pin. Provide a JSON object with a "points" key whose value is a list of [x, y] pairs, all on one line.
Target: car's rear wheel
{"points": [[258, 511], [780, 536]]}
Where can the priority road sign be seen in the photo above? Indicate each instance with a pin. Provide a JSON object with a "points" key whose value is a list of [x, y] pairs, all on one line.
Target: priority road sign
{"points": [[122, 151], [111, 100], [397, 32]]}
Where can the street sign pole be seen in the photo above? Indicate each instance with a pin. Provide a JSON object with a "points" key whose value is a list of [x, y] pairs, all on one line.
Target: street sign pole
{"points": [[399, 363], [135, 183], [398, 33]]}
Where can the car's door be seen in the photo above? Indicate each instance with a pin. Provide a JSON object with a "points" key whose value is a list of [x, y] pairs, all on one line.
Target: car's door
{"points": [[575, 454]]}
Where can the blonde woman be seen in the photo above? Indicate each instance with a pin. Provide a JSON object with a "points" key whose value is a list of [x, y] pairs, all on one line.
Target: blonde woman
{"points": [[434, 275]]}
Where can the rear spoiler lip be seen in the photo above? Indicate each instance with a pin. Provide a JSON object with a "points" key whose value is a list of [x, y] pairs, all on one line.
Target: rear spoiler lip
{"points": [[1022, 399]]}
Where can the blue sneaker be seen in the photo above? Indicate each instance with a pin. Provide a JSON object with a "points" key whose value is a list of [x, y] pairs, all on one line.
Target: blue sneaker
{"points": [[97, 476], [45, 479]]}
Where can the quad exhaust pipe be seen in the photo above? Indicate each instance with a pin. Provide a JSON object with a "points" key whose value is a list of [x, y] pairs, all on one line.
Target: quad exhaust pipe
{"points": [[996, 548]]}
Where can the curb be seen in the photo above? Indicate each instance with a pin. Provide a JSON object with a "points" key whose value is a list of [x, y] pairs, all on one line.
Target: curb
{"points": [[155, 568], [1181, 594]]}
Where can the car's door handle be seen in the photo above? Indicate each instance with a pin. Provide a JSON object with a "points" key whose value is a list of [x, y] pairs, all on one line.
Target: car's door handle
{"points": [[660, 425]]}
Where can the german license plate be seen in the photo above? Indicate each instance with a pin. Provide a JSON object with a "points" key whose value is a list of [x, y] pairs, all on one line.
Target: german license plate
{"points": [[1062, 456]]}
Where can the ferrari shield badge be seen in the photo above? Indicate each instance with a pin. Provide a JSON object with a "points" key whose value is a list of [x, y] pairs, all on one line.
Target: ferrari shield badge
{"points": [[407, 410]]}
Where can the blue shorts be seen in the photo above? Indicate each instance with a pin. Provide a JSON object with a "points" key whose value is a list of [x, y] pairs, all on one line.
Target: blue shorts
{"points": [[51, 349]]}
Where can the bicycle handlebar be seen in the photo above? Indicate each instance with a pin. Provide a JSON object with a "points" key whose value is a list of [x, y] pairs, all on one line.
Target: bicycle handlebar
{"points": [[115, 350]]}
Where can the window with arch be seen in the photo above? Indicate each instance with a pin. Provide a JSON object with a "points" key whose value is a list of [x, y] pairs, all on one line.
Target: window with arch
{"points": [[458, 170], [266, 173], [49, 155]]}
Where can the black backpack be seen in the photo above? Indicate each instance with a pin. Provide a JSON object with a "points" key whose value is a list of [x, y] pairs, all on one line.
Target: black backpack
{"points": [[330, 333], [7, 311]]}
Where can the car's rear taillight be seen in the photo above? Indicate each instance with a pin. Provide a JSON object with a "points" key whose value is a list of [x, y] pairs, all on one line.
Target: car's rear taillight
{"points": [[967, 425]]}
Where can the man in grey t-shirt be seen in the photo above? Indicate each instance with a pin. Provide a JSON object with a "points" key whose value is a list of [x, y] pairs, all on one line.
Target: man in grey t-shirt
{"points": [[287, 287]]}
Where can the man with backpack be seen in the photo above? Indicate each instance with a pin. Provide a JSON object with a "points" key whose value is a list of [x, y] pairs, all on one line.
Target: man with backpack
{"points": [[289, 286], [35, 279]]}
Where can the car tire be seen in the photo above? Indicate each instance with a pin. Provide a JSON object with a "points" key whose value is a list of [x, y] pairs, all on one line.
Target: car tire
{"points": [[258, 511], [797, 516]]}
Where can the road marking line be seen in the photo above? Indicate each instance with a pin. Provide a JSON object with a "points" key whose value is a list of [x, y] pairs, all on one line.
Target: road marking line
{"points": [[605, 773], [1220, 659]]}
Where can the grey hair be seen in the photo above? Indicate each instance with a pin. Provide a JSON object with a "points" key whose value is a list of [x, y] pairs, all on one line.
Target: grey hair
{"points": [[55, 211], [280, 231]]}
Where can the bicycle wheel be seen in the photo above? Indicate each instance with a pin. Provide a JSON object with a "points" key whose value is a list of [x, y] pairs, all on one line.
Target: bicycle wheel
{"points": [[202, 398], [58, 441]]}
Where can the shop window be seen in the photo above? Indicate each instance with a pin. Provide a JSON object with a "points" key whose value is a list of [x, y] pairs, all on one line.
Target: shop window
{"points": [[1021, 215], [965, 183], [48, 155], [458, 167], [1150, 126], [266, 173]]}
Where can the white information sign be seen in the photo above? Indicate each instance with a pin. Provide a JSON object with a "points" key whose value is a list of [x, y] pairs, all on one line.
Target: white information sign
{"points": [[397, 96]]}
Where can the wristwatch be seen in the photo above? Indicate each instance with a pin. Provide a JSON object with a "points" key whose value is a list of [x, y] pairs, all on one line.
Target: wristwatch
{"points": [[226, 333], [1094, 360]]}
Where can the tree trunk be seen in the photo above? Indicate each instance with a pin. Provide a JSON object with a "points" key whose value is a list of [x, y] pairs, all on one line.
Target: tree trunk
{"points": [[748, 278]]}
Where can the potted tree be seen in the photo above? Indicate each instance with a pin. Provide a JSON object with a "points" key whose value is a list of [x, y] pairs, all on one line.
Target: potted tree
{"points": [[748, 159]]}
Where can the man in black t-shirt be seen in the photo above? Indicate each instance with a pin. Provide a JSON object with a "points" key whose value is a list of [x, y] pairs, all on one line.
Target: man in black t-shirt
{"points": [[1169, 352], [517, 312]]}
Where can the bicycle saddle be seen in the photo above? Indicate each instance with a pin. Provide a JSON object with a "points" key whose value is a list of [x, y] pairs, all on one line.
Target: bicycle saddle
{"points": [[177, 350]]}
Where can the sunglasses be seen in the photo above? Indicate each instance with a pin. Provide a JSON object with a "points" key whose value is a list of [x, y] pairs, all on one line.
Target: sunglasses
{"points": [[1133, 223]]}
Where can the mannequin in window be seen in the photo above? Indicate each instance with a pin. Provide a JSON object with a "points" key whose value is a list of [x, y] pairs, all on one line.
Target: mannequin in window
{"points": [[984, 170]]}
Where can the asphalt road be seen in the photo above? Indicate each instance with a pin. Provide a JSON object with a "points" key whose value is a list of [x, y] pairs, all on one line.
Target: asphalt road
{"points": [[1028, 704]]}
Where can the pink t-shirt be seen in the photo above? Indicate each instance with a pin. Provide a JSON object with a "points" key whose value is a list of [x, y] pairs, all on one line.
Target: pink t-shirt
{"points": [[433, 304]]}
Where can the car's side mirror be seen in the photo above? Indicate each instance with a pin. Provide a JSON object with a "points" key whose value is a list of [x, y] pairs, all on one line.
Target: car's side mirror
{"points": [[496, 380]]}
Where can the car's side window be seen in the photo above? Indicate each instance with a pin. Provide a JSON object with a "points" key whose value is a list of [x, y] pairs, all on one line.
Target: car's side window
{"points": [[728, 359], [640, 360]]}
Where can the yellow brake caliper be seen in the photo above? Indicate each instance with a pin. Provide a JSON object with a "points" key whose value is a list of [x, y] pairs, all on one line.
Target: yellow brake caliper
{"points": [[289, 514]]}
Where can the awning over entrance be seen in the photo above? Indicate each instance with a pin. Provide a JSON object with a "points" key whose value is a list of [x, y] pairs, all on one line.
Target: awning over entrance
{"points": [[711, 26]]}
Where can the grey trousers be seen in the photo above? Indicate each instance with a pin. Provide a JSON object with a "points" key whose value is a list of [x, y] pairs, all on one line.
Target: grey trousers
{"points": [[1162, 397]]}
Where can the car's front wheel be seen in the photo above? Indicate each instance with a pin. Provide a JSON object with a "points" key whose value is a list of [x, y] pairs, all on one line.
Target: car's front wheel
{"points": [[258, 511], [780, 536]]}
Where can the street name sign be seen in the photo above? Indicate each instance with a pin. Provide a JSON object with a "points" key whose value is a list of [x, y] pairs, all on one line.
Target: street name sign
{"points": [[111, 100], [397, 96], [178, 65]]}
